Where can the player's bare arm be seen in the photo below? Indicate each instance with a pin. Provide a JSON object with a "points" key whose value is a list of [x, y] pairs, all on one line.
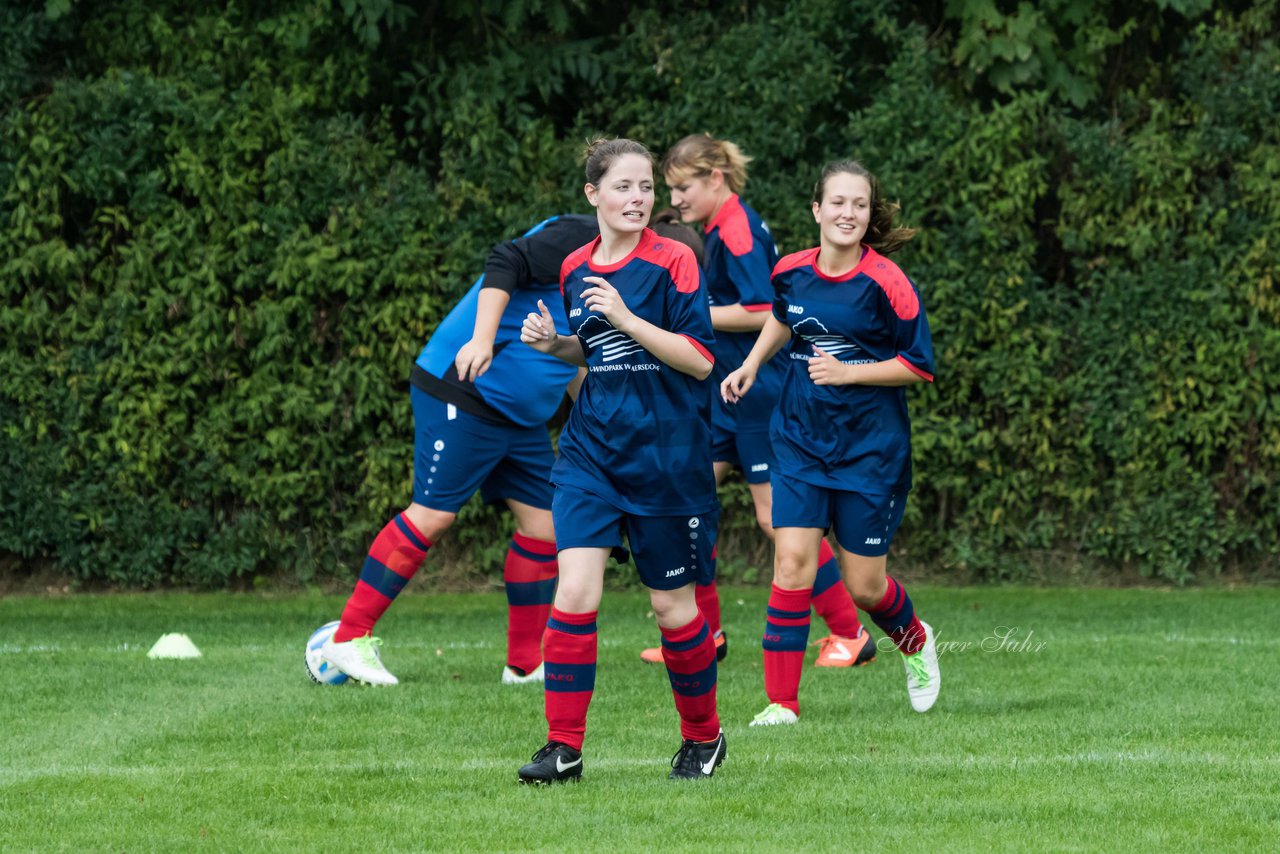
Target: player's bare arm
{"points": [[475, 356], [735, 318], [825, 369], [539, 332], [773, 337]]}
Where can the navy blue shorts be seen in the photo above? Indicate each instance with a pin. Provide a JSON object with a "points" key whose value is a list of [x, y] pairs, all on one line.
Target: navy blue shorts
{"points": [[455, 453], [669, 551], [749, 450], [863, 524]]}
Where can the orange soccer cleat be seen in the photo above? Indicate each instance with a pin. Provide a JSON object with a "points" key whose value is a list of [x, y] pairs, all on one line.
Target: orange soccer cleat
{"points": [[835, 651], [653, 655]]}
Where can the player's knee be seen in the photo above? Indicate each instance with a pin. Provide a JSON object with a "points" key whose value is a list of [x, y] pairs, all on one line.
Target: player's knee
{"points": [[793, 570], [866, 592], [430, 523], [533, 521], [575, 595], [673, 607], [538, 529]]}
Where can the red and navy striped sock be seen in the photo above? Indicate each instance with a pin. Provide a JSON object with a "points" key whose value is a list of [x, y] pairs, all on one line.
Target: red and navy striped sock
{"points": [[708, 599], [896, 617], [831, 599], [529, 576], [786, 635], [394, 557], [690, 655], [569, 654]]}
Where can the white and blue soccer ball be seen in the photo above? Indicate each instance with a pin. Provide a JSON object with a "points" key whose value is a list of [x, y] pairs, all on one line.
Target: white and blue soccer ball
{"points": [[317, 668]]}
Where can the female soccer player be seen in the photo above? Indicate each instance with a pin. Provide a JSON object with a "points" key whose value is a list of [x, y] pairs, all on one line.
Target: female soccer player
{"points": [[841, 436], [634, 456], [480, 405], [706, 176]]}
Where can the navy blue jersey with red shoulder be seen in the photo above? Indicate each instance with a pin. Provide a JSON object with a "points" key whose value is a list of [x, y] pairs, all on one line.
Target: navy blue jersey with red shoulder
{"points": [[639, 435], [738, 257], [849, 437]]}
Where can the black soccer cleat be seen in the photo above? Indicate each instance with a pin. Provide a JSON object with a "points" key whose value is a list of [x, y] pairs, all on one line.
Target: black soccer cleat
{"points": [[554, 763], [722, 645], [697, 760]]}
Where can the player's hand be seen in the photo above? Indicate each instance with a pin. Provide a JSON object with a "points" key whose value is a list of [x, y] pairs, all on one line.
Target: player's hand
{"points": [[604, 299], [826, 369], [735, 386], [473, 359], [539, 329]]}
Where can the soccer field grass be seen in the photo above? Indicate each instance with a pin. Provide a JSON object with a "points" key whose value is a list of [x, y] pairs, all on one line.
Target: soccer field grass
{"points": [[1104, 720]]}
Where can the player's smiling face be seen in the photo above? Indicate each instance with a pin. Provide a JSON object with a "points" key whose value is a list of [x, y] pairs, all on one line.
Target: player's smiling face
{"points": [[696, 197], [624, 196], [845, 210]]}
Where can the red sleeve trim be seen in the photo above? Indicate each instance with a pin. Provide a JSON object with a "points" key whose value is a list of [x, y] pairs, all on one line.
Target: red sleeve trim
{"points": [[764, 306], [925, 375], [706, 354]]}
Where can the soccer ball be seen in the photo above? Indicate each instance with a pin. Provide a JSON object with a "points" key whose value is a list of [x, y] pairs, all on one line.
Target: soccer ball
{"points": [[317, 668]]}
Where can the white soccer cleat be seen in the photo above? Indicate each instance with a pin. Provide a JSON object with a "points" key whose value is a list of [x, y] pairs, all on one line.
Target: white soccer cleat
{"points": [[359, 659], [510, 677], [775, 714], [923, 676]]}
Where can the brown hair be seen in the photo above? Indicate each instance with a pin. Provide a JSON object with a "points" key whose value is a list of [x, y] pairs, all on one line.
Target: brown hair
{"points": [[601, 154], [698, 154], [667, 223], [881, 235]]}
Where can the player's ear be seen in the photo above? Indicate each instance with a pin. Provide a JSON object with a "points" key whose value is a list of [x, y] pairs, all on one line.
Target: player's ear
{"points": [[591, 192]]}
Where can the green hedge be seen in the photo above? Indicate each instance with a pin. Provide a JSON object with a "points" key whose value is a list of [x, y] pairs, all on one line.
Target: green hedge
{"points": [[226, 231]]}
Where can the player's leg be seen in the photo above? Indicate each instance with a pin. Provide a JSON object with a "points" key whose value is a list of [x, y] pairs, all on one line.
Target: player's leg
{"points": [[522, 480], [587, 528], [831, 600], [451, 457], [786, 628], [670, 552], [706, 594], [752, 453], [864, 528], [569, 645], [848, 644], [801, 512], [705, 590], [529, 576], [395, 556]]}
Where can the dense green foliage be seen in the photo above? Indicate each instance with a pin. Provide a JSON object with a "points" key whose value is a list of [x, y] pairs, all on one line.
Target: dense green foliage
{"points": [[225, 231]]}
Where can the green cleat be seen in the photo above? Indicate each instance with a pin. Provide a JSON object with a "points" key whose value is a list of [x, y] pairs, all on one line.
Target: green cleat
{"points": [[774, 714]]}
